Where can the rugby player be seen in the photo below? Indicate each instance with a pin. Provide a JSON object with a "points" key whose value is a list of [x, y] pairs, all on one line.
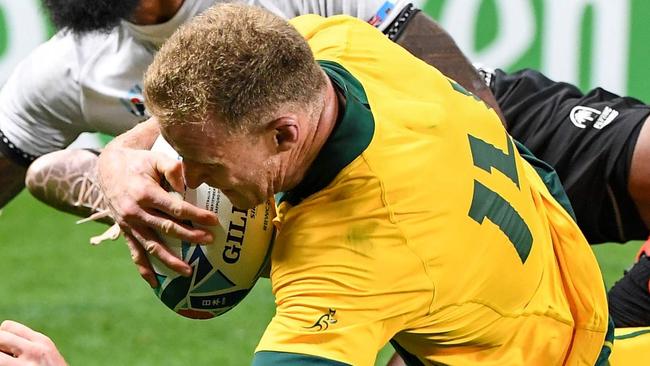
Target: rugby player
{"points": [[98, 81], [364, 256]]}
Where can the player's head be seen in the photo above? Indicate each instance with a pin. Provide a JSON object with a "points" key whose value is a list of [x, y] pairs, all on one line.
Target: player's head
{"points": [[80, 16], [235, 61], [230, 89]]}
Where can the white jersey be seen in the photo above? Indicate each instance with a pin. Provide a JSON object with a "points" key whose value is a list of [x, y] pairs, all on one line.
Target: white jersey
{"points": [[93, 83]]}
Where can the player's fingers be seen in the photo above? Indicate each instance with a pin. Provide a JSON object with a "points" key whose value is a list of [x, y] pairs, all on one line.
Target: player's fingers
{"points": [[8, 360], [171, 227], [154, 247], [21, 330], [146, 194], [177, 208], [12, 344], [173, 204], [151, 210], [139, 257]]}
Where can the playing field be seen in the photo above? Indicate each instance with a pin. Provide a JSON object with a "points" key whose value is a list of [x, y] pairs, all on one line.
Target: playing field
{"points": [[92, 302]]}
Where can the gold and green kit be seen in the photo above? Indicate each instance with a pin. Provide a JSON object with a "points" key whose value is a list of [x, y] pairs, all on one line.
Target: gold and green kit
{"points": [[421, 222]]}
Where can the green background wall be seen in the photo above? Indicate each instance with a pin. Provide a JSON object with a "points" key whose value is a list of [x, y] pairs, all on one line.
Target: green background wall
{"points": [[552, 21]]}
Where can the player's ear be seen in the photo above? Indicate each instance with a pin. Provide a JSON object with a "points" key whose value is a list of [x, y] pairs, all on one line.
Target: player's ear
{"points": [[286, 132]]}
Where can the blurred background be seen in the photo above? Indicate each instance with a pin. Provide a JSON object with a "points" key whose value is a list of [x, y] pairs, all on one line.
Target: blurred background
{"points": [[91, 300]]}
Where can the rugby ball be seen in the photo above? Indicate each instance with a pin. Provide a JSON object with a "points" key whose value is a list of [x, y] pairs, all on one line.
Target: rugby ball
{"points": [[223, 271]]}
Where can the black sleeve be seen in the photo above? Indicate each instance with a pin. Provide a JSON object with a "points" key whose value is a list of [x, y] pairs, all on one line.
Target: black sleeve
{"points": [[588, 138]]}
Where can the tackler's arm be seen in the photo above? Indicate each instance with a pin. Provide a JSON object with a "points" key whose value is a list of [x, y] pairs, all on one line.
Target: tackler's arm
{"points": [[425, 39]]}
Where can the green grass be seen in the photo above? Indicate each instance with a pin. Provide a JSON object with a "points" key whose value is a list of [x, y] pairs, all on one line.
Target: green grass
{"points": [[92, 302]]}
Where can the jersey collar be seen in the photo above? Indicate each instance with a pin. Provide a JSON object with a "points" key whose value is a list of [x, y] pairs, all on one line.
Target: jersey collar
{"points": [[349, 138]]}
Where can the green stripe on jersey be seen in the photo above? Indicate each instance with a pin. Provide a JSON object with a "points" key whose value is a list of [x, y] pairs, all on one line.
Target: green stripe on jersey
{"points": [[633, 334], [270, 358], [549, 177]]}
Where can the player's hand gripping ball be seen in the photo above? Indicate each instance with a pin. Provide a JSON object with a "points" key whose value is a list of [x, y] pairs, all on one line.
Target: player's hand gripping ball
{"points": [[223, 271]]}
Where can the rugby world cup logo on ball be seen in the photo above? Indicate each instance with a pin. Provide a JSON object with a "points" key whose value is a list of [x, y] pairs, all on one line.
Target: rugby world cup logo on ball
{"points": [[223, 271]]}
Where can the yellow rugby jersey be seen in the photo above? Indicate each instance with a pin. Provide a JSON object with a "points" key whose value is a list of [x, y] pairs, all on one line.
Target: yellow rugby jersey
{"points": [[420, 222]]}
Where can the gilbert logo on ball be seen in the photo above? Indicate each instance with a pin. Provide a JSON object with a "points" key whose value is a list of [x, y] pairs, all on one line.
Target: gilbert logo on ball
{"points": [[223, 271]]}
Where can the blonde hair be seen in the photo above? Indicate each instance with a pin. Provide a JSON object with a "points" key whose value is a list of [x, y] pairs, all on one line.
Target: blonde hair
{"points": [[237, 63]]}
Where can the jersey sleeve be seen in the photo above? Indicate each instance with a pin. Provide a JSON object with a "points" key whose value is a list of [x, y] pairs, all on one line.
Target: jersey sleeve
{"points": [[40, 103]]}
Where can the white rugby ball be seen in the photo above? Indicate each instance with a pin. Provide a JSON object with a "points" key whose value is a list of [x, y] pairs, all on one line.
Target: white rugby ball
{"points": [[223, 271]]}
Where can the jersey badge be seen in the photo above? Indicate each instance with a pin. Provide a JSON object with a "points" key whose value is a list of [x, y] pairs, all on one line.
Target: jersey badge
{"points": [[381, 14], [582, 116], [134, 102], [324, 321]]}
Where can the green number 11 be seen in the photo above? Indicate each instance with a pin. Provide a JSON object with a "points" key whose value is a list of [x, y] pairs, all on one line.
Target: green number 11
{"points": [[488, 204]]}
